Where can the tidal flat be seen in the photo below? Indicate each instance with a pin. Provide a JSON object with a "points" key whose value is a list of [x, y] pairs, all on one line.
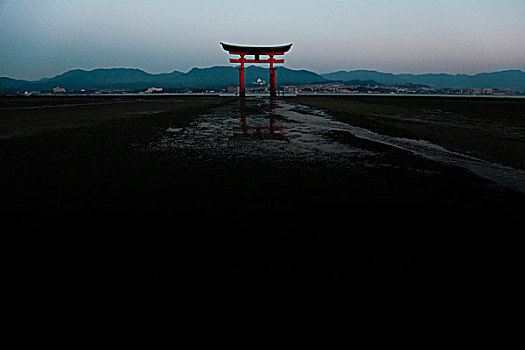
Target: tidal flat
{"points": [[324, 189]]}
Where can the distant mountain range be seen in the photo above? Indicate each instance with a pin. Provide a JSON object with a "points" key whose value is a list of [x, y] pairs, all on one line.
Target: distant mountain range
{"points": [[508, 79], [223, 76], [128, 78]]}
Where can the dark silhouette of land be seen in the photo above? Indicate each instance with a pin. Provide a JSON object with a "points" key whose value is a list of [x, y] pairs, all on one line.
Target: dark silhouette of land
{"points": [[223, 76], [82, 200]]}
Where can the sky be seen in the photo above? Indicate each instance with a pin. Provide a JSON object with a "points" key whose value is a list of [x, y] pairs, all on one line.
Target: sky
{"points": [[44, 38]]}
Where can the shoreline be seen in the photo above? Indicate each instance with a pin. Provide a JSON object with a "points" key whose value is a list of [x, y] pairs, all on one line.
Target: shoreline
{"points": [[281, 94]]}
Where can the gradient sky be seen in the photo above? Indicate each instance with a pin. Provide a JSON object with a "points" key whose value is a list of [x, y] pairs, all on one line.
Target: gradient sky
{"points": [[43, 38]]}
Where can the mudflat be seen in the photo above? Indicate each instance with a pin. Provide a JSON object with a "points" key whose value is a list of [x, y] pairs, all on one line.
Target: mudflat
{"points": [[30, 115], [489, 128], [178, 188]]}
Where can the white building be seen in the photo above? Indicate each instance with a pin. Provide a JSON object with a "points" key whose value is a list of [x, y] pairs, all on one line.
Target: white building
{"points": [[153, 89]]}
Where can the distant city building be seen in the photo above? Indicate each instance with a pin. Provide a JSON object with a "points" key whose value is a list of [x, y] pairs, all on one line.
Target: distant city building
{"points": [[58, 90], [231, 89], [153, 89]]}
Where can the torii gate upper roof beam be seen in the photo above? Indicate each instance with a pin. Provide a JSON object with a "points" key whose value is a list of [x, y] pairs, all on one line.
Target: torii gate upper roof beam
{"points": [[256, 50]]}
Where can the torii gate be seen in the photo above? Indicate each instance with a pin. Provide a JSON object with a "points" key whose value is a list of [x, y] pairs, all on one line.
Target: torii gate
{"points": [[257, 52]]}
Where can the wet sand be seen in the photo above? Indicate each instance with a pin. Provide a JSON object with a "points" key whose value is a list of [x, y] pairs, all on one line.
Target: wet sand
{"points": [[176, 188], [31, 115], [488, 128]]}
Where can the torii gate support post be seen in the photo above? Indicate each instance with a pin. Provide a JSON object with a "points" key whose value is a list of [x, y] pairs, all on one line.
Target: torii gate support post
{"points": [[242, 90], [273, 85]]}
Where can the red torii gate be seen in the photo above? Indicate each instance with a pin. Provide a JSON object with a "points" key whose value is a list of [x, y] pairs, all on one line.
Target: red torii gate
{"points": [[256, 51]]}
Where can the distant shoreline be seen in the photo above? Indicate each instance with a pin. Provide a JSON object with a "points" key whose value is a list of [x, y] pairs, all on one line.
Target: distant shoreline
{"points": [[281, 95]]}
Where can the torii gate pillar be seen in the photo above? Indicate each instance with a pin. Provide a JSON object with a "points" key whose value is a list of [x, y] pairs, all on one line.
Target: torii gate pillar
{"points": [[273, 92], [242, 90], [256, 51]]}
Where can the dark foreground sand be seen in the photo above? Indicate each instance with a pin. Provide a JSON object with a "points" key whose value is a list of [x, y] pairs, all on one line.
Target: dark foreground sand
{"points": [[81, 202]]}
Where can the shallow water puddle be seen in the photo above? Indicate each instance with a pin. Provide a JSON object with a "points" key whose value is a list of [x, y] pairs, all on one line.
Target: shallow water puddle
{"points": [[261, 128], [502, 175]]}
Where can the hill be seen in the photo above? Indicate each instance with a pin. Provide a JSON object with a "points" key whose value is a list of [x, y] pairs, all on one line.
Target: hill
{"points": [[509, 79], [113, 78], [222, 76]]}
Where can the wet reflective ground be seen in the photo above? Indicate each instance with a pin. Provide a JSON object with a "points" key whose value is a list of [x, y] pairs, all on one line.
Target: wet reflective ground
{"points": [[260, 128], [179, 188], [270, 129]]}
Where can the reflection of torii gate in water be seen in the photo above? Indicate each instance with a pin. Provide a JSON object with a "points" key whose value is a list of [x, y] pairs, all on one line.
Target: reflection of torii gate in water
{"points": [[245, 129], [257, 52]]}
